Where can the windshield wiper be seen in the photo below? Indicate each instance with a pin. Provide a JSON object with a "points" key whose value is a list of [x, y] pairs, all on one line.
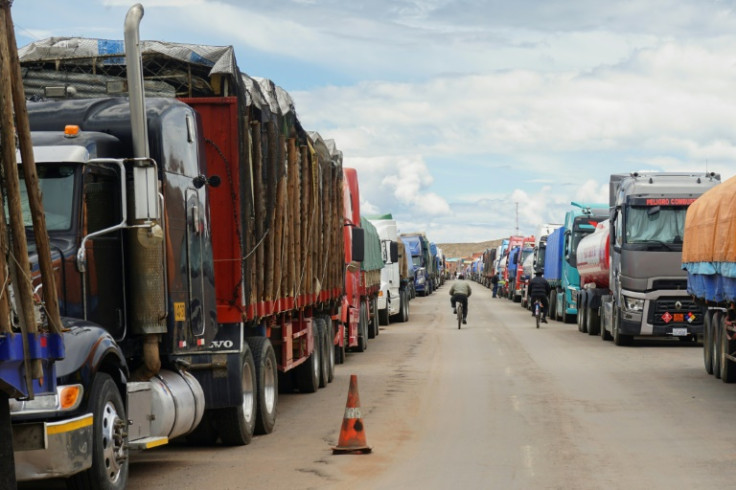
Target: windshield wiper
{"points": [[668, 246]]}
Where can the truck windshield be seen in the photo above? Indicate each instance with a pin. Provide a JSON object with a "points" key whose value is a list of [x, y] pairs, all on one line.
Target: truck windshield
{"points": [[664, 225], [56, 183]]}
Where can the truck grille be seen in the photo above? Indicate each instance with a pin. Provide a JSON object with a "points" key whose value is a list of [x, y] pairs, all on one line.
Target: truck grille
{"points": [[660, 284], [665, 311]]}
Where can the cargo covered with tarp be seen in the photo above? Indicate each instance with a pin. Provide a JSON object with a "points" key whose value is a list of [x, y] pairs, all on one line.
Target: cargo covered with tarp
{"points": [[709, 244], [276, 219], [373, 259]]}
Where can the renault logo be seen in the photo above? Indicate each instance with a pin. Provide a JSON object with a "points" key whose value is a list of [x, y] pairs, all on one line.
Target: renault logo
{"points": [[678, 305]]}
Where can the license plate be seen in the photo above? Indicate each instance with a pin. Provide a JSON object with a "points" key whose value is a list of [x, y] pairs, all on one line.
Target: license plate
{"points": [[679, 332]]}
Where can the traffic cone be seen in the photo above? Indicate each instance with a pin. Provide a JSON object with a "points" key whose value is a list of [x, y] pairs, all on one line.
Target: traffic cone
{"points": [[352, 432]]}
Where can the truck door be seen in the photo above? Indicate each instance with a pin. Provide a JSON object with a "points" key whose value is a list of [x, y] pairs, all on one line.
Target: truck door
{"points": [[195, 259]]}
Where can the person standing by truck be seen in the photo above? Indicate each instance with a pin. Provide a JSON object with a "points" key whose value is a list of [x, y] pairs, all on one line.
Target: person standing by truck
{"points": [[494, 284], [460, 291]]}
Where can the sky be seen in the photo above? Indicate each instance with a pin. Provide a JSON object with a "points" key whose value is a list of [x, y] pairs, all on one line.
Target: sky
{"points": [[470, 120]]}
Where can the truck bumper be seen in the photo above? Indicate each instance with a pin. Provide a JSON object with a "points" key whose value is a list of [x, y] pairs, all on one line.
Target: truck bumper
{"points": [[52, 449], [664, 315]]}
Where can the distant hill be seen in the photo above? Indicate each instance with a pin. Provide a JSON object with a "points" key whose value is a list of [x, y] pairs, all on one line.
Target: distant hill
{"points": [[466, 250]]}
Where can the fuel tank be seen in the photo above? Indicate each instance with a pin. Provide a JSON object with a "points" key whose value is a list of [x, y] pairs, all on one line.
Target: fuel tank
{"points": [[593, 257]]}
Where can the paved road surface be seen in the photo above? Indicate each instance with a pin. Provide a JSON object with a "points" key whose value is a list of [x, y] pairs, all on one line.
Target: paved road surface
{"points": [[498, 404]]}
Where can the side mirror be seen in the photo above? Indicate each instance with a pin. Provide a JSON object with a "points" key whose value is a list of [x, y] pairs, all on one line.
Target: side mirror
{"points": [[358, 249], [394, 252]]}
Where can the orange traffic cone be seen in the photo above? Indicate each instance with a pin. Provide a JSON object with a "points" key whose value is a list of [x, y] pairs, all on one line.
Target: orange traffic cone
{"points": [[352, 432]]}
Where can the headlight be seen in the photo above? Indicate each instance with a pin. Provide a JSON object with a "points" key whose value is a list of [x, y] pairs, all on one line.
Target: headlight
{"points": [[66, 398], [420, 279], [635, 305]]}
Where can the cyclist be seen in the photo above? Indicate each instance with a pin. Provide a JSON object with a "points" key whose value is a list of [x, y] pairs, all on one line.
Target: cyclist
{"points": [[460, 291], [538, 289]]}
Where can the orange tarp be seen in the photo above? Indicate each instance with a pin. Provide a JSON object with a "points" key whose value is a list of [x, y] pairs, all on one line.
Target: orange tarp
{"points": [[710, 226]]}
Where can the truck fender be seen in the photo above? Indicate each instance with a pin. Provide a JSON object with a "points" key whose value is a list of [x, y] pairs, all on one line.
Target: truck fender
{"points": [[88, 348]]}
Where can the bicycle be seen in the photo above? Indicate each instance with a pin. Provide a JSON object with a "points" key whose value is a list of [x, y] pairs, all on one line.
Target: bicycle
{"points": [[459, 308], [537, 311]]}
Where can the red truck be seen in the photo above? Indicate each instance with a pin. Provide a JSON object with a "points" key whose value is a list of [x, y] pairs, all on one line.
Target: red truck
{"points": [[198, 241], [363, 264]]}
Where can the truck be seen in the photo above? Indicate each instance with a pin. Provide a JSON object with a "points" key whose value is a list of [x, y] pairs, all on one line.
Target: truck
{"points": [[393, 297], [639, 251], [580, 221], [708, 258], [197, 238], [423, 263], [359, 313], [406, 272], [526, 249]]}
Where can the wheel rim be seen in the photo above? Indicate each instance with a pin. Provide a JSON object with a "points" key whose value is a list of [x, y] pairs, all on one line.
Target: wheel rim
{"points": [[269, 384], [248, 393], [113, 442]]}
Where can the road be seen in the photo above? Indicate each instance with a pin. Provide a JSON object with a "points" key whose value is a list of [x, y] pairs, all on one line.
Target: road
{"points": [[498, 404]]}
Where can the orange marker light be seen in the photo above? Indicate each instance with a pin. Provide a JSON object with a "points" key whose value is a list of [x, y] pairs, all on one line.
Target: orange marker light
{"points": [[71, 130], [69, 396]]}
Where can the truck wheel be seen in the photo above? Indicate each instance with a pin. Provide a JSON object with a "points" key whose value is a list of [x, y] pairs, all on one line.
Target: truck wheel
{"points": [[330, 351], [374, 304], [383, 318], [716, 343], [236, 424], [707, 341], [728, 368], [592, 321], [324, 371], [552, 313], [582, 326], [307, 373], [267, 383], [363, 329], [404, 306], [619, 338], [109, 469]]}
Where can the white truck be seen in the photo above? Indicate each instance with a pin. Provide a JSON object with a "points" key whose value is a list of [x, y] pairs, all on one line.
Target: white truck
{"points": [[393, 299]]}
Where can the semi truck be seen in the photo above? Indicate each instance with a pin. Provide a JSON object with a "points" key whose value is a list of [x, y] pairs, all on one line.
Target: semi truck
{"points": [[520, 278], [393, 297], [639, 251], [709, 258], [423, 263], [198, 243]]}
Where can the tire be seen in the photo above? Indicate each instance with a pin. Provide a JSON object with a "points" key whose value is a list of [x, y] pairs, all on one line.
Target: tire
{"points": [[324, 371], [552, 313], [308, 373], [110, 456], [728, 367], [237, 424], [205, 434], [405, 307], [267, 383], [363, 329], [618, 338], [330, 347], [383, 317], [716, 343], [582, 326], [707, 342], [592, 321]]}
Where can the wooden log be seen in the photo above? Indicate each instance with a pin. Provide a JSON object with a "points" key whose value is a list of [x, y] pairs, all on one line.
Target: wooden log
{"points": [[306, 215], [270, 203], [279, 213], [260, 210], [19, 247], [43, 246], [295, 217]]}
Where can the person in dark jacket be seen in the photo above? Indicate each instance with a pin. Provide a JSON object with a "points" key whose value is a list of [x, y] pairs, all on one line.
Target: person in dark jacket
{"points": [[460, 291], [538, 289], [494, 283]]}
